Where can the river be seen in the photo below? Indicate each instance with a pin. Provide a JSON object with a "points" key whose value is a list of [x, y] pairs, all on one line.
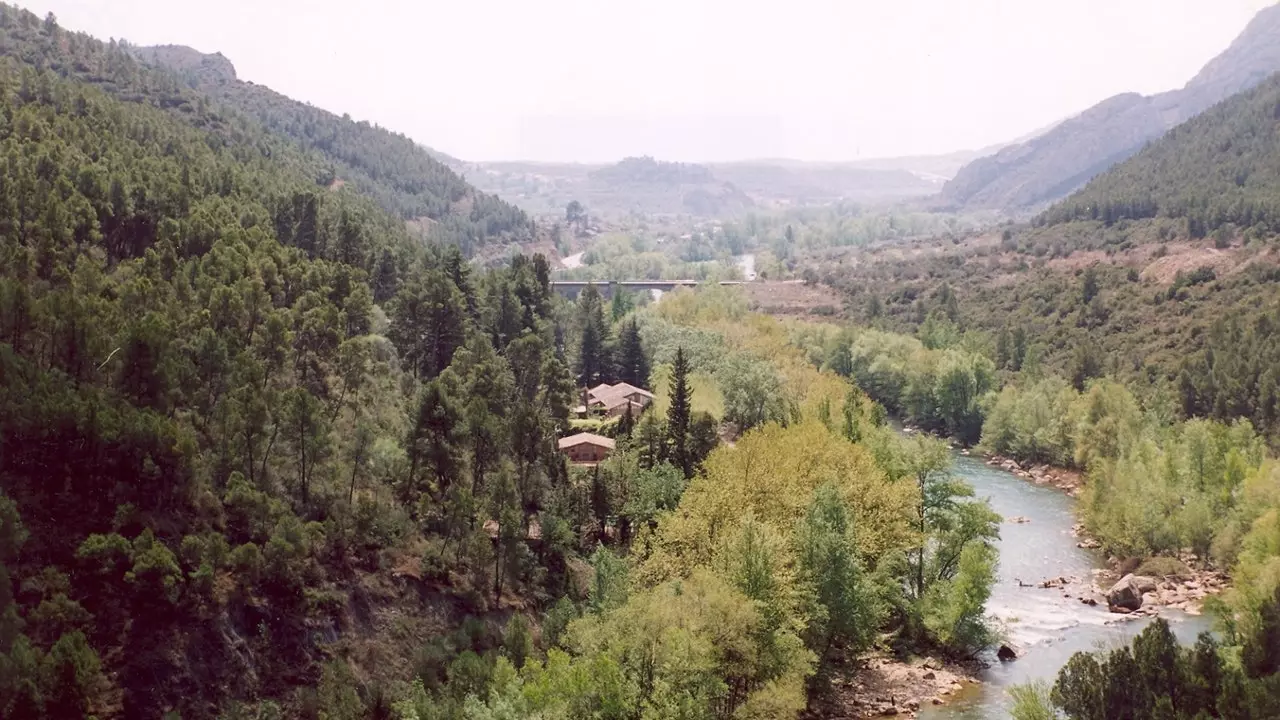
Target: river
{"points": [[1045, 627]]}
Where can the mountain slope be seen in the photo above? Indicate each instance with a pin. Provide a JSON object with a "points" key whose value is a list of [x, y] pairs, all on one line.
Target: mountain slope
{"points": [[797, 183], [1221, 167], [1063, 159], [210, 374], [645, 185], [403, 176], [632, 185], [717, 190]]}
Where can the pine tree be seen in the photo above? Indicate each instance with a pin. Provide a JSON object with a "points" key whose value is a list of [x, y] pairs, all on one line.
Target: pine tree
{"points": [[633, 365], [626, 423], [678, 415], [593, 352]]}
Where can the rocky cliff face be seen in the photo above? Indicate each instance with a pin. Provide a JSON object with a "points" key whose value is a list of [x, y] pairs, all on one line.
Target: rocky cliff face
{"points": [[204, 68], [1055, 164]]}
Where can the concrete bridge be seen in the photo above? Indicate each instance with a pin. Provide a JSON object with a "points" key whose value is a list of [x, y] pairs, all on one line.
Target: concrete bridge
{"points": [[571, 288]]}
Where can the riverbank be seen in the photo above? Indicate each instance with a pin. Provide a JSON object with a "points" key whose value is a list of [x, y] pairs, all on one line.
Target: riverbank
{"points": [[1068, 481], [879, 685], [1183, 589], [1177, 584]]}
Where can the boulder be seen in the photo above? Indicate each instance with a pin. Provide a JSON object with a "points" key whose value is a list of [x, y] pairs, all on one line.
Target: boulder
{"points": [[1126, 594], [1006, 653], [1144, 584]]}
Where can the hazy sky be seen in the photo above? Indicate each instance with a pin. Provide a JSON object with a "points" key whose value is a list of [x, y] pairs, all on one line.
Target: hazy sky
{"points": [[699, 80]]}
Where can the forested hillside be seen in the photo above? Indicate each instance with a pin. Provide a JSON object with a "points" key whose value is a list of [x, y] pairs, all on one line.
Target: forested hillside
{"points": [[1162, 272], [220, 396], [334, 153], [1221, 168], [391, 168], [264, 454], [1050, 166]]}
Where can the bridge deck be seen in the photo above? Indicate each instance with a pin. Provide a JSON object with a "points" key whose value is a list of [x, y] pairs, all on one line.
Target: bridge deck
{"points": [[573, 287]]}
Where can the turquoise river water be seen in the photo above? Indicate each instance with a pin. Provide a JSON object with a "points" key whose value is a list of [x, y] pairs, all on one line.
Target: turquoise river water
{"points": [[1046, 627]]}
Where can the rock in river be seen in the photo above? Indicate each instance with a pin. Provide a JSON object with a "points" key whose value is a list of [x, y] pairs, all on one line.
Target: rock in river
{"points": [[1006, 653], [1128, 592]]}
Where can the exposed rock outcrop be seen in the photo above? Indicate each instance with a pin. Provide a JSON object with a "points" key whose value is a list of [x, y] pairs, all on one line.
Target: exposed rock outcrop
{"points": [[1127, 594]]}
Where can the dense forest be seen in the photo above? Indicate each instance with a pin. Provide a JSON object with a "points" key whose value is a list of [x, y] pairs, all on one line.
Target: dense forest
{"points": [[330, 151], [1215, 170], [222, 391], [265, 454], [391, 168]]}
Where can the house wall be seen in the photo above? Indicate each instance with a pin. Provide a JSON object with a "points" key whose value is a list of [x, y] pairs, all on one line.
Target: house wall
{"points": [[587, 452], [621, 410]]}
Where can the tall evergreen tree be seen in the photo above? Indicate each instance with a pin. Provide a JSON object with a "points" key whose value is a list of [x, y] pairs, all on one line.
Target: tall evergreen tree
{"points": [[428, 323], [679, 414], [594, 358], [633, 364]]}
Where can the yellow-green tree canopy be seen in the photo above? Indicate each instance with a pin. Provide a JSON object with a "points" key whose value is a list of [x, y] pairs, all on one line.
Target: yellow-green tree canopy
{"points": [[772, 473]]}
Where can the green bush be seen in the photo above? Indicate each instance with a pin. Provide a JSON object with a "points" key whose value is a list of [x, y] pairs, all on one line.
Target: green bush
{"points": [[1162, 567], [517, 640]]}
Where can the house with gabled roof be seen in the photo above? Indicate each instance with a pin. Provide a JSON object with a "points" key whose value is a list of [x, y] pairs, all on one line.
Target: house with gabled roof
{"points": [[586, 448]]}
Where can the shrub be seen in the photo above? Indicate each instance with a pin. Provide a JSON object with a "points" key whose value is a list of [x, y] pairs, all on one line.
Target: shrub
{"points": [[517, 640], [1162, 567]]}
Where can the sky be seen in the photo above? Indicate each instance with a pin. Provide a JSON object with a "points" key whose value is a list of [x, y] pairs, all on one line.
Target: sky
{"points": [[691, 80]]}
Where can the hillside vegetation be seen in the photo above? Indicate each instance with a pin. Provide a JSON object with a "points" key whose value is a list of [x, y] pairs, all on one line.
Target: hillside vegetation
{"points": [[1221, 168], [265, 454], [1161, 271], [217, 390], [1052, 165], [391, 168], [202, 91]]}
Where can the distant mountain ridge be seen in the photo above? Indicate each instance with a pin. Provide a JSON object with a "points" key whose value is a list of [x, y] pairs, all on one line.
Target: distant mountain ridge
{"points": [[723, 188], [1220, 168], [797, 183], [633, 185], [1063, 159], [712, 190]]}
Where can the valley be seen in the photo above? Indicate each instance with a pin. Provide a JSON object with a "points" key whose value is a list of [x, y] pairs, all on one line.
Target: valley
{"points": [[302, 418]]}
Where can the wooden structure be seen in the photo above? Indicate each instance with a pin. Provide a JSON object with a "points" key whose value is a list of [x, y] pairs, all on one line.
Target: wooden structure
{"points": [[586, 448], [614, 401]]}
